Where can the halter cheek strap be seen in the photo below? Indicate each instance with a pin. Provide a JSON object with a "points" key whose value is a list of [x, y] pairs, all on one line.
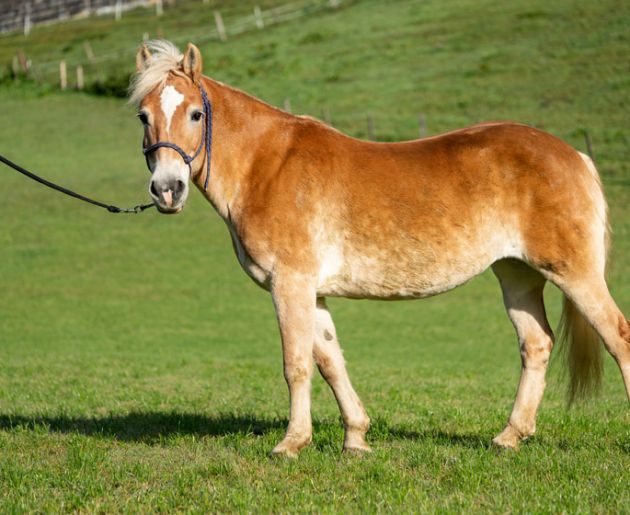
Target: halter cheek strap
{"points": [[206, 141]]}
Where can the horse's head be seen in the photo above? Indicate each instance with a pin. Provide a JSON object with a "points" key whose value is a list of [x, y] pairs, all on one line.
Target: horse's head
{"points": [[171, 109]]}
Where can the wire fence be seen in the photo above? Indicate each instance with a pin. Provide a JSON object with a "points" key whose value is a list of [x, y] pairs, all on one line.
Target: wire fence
{"points": [[221, 31], [73, 73], [24, 15], [66, 73]]}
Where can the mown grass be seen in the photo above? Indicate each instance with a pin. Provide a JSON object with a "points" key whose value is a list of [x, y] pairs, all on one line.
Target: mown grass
{"points": [[140, 369]]}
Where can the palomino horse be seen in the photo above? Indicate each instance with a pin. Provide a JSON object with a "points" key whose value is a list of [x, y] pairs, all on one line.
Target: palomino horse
{"points": [[314, 213]]}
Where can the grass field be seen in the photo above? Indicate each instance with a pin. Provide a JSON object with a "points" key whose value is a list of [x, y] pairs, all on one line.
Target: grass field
{"points": [[140, 370]]}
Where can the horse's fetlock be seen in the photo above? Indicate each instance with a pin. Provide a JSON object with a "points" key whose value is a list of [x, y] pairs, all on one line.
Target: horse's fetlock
{"points": [[292, 443], [523, 429], [361, 425]]}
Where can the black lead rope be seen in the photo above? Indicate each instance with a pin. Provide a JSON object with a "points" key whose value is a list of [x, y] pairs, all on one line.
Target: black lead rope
{"points": [[112, 209], [206, 141]]}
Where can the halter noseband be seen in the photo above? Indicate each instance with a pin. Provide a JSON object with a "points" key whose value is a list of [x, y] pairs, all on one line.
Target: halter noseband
{"points": [[206, 140]]}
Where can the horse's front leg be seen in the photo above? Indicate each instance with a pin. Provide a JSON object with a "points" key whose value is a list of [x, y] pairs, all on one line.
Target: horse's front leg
{"points": [[294, 298]]}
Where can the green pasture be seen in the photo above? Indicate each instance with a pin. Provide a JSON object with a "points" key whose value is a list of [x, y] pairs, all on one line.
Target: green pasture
{"points": [[140, 369]]}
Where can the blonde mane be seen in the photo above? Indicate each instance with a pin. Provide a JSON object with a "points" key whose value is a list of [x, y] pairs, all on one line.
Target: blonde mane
{"points": [[165, 58]]}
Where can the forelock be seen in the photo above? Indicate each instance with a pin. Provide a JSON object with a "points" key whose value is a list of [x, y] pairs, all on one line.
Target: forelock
{"points": [[165, 58]]}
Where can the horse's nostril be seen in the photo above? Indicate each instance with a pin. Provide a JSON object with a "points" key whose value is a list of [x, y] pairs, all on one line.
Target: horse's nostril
{"points": [[153, 190], [179, 186]]}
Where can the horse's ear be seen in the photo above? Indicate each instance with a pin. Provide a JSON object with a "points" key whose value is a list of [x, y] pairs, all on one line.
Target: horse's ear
{"points": [[193, 64], [143, 56]]}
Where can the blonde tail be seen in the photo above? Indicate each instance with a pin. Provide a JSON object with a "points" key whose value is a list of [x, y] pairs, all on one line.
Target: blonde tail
{"points": [[579, 342], [583, 352]]}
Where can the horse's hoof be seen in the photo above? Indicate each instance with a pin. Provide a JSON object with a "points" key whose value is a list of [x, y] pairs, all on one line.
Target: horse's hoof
{"points": [[282, 453], [354, 441], [501, 447], [289, 447], [357, 450], [508, 439]]}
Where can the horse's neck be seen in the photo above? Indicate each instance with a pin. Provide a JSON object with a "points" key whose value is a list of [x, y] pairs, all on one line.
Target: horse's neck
{"points": [[245, 131]]}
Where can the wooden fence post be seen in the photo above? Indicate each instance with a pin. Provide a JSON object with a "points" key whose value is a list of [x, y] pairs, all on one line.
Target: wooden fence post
{"points": [[118, 10], [27, 18], [62, 13], [159, 8], [220, 26], [260, 22], [63, 75], [23, 61], [589, 145], [370, 128], [80, 82], [326, 115], [287, 105], [89, 53], [15, 66], [422, 123]]}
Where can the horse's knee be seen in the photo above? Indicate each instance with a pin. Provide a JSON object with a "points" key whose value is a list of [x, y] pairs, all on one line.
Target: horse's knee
{"points": [[296, 373]]}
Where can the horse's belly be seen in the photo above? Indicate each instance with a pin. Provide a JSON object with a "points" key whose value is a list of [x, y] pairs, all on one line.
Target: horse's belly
{"points": [[374, 282], [404, 273]]}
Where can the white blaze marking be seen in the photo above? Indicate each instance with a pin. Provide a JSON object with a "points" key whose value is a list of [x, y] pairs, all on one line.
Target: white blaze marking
{"points": [[169, 100]]}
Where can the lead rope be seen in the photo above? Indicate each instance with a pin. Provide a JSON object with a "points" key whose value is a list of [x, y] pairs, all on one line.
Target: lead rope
{"points": [[205, 141], [112, 209]]}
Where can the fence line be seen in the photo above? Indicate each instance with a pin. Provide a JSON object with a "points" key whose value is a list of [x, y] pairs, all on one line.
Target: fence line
{"points": [[221, 31], [238, 26], [24, 15]]}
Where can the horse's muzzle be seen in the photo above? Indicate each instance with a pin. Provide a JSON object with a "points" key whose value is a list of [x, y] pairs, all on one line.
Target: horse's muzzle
{"points": [[168, 195]]}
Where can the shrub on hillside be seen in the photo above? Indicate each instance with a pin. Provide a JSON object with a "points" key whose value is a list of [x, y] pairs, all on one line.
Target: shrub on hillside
{"points": [[112, 86]]}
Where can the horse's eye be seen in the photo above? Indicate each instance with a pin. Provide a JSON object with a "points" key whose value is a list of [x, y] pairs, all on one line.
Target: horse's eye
{"points": [[196, 116], [144, 119]]}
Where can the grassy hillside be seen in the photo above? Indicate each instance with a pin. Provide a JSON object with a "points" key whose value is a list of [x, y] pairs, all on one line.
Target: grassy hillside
{"points": [[560, 66], [140, 369]]}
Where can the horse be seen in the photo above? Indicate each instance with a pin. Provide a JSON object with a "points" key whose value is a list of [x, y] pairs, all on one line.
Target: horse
{"points": [[314, 213]]}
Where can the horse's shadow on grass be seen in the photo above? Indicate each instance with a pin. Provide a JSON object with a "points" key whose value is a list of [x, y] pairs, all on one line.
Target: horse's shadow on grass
{"points": [[153, 427], [145, 426]]}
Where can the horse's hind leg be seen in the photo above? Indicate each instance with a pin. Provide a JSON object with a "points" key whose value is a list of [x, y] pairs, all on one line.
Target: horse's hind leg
{"points": [[523, 297], [590, 295], [331, 364]]}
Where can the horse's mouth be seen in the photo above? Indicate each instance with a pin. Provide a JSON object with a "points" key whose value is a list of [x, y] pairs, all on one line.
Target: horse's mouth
{"points": [[169, 210]]}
